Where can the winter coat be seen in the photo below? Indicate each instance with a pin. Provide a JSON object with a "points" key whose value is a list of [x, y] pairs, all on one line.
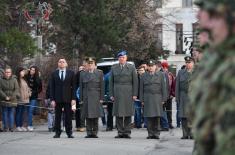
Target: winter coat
{"points": [[35, 84], [153, 92], [91, 92], [25, 92], [182, 86], [123, 86], [9, 88]]}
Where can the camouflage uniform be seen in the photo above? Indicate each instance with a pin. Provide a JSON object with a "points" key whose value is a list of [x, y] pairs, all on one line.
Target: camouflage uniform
{"points": [[214, 125]]}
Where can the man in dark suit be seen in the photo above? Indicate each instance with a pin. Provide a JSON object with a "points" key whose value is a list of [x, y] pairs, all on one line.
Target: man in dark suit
{"points": [[62, 94]]}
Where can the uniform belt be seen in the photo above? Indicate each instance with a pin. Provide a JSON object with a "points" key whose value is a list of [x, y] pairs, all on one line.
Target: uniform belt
{"points": [[151, 92], [93, 88], [124, 83]]}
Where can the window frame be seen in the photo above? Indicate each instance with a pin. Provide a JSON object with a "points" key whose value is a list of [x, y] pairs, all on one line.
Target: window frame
{"points": [[187, 3]]}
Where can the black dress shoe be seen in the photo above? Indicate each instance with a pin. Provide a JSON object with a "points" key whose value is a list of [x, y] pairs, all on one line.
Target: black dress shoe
{"points": [[149, 137], [119, 136], [127, 136], [190, 137], [109, 129], [165, 129], [155, 137], [88, 136], [70, 136], [94, 136], [56, 136], [184, 137], [11, 130], [152, 137]]}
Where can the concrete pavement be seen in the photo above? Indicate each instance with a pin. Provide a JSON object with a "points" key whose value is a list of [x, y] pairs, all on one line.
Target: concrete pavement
{"points": [[40, 142]]}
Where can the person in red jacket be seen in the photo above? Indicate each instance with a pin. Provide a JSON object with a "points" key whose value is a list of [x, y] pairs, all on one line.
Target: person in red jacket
{"points": [[171, 92]]}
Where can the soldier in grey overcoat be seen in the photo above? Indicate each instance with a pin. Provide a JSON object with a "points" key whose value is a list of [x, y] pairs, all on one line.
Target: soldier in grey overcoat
{"points": [[92, 93], [153, 94], [123, 92], [181, 93]]}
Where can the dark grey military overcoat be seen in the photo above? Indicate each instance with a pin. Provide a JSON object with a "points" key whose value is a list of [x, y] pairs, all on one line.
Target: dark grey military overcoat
{"points": [[153, 92], [181, 91], [123, 86], [91, 92]]}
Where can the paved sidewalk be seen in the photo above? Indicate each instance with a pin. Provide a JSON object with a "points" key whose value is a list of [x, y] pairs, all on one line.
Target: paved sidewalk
{"points": [[40, 142]]}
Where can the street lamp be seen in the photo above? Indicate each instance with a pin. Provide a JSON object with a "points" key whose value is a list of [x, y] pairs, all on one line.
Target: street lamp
{"points": [[37, 13]]}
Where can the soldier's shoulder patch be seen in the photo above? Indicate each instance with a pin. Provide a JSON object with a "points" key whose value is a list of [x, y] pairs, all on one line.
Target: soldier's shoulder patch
{"points": [[128, 64], [115, 65], [160, 73], [181, 71]]}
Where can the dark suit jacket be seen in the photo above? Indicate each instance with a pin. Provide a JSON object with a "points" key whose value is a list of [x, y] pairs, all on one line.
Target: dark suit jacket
{"points": [[63, 91]]}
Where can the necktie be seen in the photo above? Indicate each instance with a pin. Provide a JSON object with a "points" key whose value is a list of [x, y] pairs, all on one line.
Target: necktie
{"points": [[62, 75]]}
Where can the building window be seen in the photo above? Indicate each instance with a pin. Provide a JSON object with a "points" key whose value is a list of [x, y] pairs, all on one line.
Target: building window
{"points": [[179, 39], [158, 3], [187, 3], [159, 36], [195, 31]]}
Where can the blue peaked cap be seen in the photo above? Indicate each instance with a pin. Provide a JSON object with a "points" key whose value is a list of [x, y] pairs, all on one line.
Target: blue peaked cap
{"points": [[121, 53]]}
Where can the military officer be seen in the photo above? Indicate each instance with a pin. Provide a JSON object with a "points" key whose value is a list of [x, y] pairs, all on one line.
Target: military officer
{"points": [[123, 92], [182, 90], [92, 93], [153, 94]]}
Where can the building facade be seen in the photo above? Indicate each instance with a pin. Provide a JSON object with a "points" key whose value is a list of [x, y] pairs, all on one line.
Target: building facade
{"points": [[178, 28]]}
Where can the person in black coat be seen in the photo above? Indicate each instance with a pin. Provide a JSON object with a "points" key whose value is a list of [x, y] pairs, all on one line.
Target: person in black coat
{"points": [[35, 84], [62, 95]]}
